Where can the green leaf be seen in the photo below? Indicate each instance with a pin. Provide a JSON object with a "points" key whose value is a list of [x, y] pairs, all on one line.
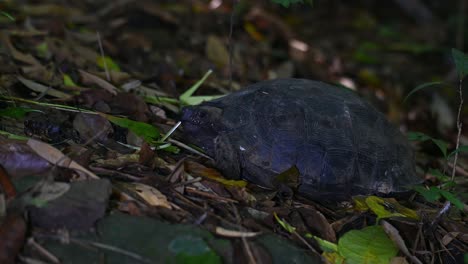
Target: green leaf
{"points": [[389, 207], [459, 149], [169, 148], [12, 136], [148, 132], [442, 145], [326, 245], [439, 175], [418, 136], [16, 112], [42, 49], [7, 15], [106, 61], [368, 245], [461, 62], [432, 194], [67, 80], [420, 87], [187, 99], [284, 224], [451, 197]]}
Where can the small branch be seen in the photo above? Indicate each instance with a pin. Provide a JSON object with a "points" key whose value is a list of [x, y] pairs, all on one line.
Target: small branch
{"points": [[459, 126]]}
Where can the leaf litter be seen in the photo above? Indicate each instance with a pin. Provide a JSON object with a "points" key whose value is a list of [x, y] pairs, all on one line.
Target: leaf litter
{"points": [[100, 169]]}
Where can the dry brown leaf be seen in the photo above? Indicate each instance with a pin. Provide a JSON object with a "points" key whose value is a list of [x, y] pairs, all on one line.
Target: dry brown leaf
{"points": [[55, 156], [90, 78], [17, 55], [151, 195], [40, 88]]}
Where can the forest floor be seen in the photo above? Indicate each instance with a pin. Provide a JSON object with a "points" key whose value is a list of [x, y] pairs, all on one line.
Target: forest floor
{"points": [[93, 171]]}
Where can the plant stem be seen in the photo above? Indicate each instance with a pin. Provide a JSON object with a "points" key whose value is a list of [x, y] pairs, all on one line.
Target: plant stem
{"points": [[459, 127]]}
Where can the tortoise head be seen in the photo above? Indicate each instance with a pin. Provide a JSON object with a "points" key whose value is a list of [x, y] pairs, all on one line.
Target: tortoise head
{"points": [[202, 124]]}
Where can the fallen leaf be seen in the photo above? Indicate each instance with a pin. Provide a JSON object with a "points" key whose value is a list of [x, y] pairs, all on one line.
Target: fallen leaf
{"points": [[56, 157], [89, 78], [40, 88], [151, 195]]}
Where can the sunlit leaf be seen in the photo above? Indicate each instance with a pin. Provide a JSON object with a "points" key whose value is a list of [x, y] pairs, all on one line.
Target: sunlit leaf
{"points": [[368, 245], [461, 62], [187, 99], [420, 87], [284, 224], [333, 257], [148, 132], [389, 207], [360, 203], [106, 61], [42, 49], [67, 80], [326, 245], [214, 175]]}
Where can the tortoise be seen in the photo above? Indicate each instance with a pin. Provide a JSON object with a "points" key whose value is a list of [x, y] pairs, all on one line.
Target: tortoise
{"points": [[340, 145]]}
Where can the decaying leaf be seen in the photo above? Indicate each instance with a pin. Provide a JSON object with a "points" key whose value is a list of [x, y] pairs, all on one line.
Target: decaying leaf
{"points": [[56, 157], [151, 195]]}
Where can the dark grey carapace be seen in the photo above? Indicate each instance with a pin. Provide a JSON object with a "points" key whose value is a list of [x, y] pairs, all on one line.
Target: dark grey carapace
{"points": [[340, 144]]}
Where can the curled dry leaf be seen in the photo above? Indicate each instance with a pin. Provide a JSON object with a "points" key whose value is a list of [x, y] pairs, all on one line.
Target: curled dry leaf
{"points": [[56, 157]]}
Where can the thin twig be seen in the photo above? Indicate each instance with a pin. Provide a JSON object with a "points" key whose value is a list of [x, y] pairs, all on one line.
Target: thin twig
{"points": [[245, 243], [101, 49], [459, 127]]}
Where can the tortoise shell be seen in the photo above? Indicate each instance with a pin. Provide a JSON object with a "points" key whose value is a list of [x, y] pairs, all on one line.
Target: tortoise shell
{"points": [[340, 144]]}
